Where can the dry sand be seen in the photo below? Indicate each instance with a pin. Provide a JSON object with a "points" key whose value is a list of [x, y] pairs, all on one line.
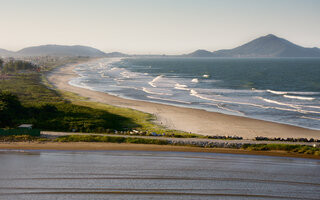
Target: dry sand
{"points": [[186, 119]]}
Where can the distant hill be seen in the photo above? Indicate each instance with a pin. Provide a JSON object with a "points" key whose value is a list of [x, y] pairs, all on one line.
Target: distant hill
{"points": [[266, 46], [200, 53], [61, 50], [5, 53], [116, 54]]}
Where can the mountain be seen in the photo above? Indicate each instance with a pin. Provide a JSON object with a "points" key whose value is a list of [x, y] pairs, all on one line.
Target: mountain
{"points": [[5, 53], [266, 46], [200, 53], [61, 50], [269, 46]]}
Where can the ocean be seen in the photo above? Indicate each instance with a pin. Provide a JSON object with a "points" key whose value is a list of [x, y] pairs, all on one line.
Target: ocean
{"points": [[283, 90], [82, 175]]}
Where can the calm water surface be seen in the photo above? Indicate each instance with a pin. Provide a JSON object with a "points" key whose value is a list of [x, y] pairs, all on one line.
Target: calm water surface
{"points": [[154, 175]]}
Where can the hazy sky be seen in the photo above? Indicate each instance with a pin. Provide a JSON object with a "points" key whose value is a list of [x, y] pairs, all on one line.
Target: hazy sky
{"points": [[156, 26]]}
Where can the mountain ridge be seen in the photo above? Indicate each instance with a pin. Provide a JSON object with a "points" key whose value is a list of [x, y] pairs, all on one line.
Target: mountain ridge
{"points": [[265, 46], [268, 46]]}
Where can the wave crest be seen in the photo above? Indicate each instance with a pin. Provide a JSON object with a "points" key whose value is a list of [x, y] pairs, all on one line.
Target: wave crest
{"points": [[298, 97], [151, 83]]}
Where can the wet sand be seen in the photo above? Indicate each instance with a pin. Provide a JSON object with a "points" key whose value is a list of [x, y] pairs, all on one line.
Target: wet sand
{"points": [[186, 119]]}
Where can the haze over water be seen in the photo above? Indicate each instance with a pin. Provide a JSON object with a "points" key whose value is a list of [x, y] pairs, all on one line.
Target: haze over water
{"points": [[38, 175], [285, 90]]}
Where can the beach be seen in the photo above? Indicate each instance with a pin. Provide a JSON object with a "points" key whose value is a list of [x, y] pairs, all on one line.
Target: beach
{"points": [[185, 119]]}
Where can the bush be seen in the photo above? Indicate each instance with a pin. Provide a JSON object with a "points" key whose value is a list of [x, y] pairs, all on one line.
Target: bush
{"points": [[110, 139], [303, 149]]}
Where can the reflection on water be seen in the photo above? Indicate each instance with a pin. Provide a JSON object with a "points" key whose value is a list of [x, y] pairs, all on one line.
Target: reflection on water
{"points": [[155, 175]]}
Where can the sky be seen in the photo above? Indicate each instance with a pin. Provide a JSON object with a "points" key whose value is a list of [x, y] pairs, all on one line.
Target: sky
{"points": [[156, 26]]}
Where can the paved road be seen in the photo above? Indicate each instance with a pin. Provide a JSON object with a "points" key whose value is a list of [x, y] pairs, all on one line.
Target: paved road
{"points": [[50, 134]]}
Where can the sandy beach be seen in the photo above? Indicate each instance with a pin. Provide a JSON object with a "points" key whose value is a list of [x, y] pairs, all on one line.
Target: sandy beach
{"points": [[186, 119]]}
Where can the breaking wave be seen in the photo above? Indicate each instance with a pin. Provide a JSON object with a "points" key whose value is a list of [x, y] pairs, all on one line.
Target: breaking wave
{"points": [[298, 97], [152, 83], [155, 93], [195, 80], [277, 102], [178, 86], [277, 92]]}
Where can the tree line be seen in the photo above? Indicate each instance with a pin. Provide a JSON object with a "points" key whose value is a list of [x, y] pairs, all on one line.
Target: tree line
{"points": [[17, 65]]}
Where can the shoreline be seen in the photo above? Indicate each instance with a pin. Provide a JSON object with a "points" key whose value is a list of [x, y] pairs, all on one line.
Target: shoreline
{"points": [[182, 118], [97, 146]]}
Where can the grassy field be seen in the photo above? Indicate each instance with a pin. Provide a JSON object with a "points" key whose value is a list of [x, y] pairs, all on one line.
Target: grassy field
{"points": [[29, 89]]}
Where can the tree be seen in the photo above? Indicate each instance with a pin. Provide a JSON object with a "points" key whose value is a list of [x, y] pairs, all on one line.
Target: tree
{"points": [[10, 109], [1, 64]]}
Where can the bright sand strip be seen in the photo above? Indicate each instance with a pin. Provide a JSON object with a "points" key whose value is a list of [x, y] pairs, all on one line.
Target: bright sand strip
{"points": [[186, 119]]}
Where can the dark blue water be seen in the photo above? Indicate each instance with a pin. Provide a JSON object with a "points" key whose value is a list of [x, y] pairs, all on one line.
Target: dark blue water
{"points": [[52, 175], [285, 90]]}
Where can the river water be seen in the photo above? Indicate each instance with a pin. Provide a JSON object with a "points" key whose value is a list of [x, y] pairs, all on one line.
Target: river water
{"points": [[38, 175]]}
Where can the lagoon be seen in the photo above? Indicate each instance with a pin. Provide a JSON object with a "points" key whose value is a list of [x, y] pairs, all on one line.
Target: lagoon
{"points": [[78, 175]]}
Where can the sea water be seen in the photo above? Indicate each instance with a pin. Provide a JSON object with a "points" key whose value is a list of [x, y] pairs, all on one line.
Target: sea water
{"points": [[285, 90], [82, 175]]}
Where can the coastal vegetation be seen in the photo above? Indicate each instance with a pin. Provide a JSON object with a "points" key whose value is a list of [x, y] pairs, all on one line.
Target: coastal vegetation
{"points": [[21, 138], [17, 65], [110, 139], [27, 97], [287, 139], [293, 149]]}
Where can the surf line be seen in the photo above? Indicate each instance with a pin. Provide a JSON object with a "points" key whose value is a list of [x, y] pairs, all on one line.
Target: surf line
{"points": [[151, 83]]}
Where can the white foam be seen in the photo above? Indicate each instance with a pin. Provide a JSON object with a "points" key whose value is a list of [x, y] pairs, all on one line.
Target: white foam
{"points": [[317, 107], [279, 103], [224, 108], [305, 117], [298, 97], [277, 92], [125, 74], [295, 107], [151, 83], [205, 76], [195, 80], [178, 86], [155, 93]]}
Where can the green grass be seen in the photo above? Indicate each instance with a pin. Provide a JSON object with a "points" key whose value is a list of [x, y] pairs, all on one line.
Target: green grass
{"points": [[29, 89], [302, 149], [110, 139]]}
